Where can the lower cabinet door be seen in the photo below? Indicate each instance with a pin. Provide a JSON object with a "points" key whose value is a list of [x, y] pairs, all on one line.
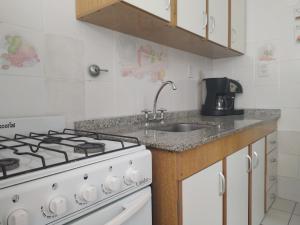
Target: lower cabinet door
{"points": [[258, 181], [238, 168], [202, 197]]}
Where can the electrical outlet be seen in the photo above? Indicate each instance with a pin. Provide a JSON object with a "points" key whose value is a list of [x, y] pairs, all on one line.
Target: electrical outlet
{"points": [[190, 71]]}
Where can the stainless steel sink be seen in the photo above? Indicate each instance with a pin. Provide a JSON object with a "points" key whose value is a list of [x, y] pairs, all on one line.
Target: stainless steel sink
{"points": [[182, 127]]}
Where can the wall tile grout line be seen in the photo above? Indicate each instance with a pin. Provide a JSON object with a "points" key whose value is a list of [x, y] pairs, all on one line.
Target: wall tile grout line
{"points": [[292, 213]]}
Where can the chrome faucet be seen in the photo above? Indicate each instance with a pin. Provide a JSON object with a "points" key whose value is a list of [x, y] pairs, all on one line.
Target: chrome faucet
{"points": [[162, 111], [157, 95]]}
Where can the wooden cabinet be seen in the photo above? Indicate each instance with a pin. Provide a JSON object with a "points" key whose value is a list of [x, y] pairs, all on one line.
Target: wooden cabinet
{"points": [[258, 181], [272, 142], [179, 24], [202, 197], [238, 169], [192, 16], [187, 185], [272, 167], [238, 25], [218, 21], [203, 192], [160, 8]]}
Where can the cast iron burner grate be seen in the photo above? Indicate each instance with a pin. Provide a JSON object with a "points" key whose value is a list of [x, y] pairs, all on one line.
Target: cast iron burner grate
{"points": [[76, 139], [9, 164], [89, 148], [52, 140]]}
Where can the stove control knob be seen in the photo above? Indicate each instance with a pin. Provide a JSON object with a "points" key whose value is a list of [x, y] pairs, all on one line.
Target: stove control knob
{"points": [[18, 217], [58, 205], [132, 176], [112, 184], [88, 193]]}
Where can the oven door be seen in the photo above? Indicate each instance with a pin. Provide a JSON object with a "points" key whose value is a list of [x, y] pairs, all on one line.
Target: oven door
{"points": [[132, 210]]}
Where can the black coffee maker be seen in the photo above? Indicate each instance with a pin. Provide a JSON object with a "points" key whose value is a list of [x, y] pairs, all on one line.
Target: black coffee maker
{"points": [[220, 97]]}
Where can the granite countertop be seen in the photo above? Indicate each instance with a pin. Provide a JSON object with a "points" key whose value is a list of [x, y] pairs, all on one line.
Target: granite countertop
{"points": [[180, 141]]}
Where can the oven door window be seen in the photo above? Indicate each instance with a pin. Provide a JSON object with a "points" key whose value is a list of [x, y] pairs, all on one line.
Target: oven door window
{"points": [[132, 210]]}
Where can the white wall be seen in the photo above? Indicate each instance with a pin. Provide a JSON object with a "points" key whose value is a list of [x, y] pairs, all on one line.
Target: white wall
{"points": [[60, 84], [270, 24]]}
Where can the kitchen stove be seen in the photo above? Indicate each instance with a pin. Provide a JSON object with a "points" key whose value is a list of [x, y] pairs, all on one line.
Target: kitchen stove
{"points": [[70, 176]]}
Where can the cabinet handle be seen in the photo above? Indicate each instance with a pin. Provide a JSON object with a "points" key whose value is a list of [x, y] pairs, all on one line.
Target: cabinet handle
{"points": [[212, 22], [205, 20], [169, 5], [222, 184], [273, 178], [273, 142], [249, 168], [255, 165]]}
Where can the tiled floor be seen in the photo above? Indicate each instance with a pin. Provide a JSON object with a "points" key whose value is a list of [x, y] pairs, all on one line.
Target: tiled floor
{"points": [[283, 212]]}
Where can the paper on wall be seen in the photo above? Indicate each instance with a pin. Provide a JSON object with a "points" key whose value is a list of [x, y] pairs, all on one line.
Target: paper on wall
{"points": [[20, 51]]}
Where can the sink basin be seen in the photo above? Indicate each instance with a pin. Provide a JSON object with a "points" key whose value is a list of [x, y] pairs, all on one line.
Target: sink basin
{"points": [[183, 127]]}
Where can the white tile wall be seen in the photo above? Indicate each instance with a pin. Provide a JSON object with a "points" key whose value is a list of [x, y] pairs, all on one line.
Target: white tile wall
{"points": [[62, 85], [22, 96], [281, 89], [288, 165], [65, 97], [96, 95], [289, 142], [288, 188], [289, 119], [23, 13], [63, 57]]}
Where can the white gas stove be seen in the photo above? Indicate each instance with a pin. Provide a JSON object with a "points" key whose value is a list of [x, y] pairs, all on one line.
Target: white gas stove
{"points": [[64, 176]]}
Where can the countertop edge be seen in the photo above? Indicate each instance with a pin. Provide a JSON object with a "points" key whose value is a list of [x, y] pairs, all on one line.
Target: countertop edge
{"points": [[167, 141], [209, 140]]}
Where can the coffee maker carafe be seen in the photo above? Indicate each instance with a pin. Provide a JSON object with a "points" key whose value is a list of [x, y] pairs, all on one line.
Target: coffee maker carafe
{"points": [[220, 97]]}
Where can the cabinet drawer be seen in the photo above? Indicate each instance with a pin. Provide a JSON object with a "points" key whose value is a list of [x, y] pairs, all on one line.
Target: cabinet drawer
{"points": [[271, 195], [272, 164], [272, 142], [271, 180]]}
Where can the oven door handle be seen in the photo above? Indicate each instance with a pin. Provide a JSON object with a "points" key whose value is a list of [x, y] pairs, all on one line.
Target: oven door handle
{"points": [[130, 209]]}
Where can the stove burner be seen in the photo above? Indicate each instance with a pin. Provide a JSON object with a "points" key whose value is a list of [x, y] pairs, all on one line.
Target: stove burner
{"points": [[52, 140], [9, 164], [89, 148]]}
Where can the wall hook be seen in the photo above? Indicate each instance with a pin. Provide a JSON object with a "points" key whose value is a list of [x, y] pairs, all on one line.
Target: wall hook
{"points": [[95, 70]]}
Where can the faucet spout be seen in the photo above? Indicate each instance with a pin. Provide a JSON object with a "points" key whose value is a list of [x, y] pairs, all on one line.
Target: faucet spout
{"points": [[158, 93]]}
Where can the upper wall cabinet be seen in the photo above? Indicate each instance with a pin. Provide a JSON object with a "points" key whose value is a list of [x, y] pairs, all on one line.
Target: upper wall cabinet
{"points": [[238, 25], [160, 8], [192, 16], [178, 24], [218, 21]]}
